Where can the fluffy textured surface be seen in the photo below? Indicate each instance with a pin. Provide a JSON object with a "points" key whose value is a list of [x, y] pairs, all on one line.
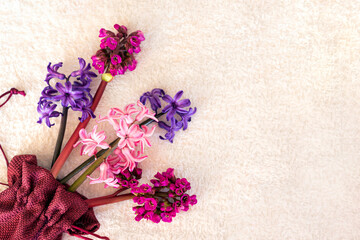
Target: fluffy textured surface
{"points": [[273, 152]]}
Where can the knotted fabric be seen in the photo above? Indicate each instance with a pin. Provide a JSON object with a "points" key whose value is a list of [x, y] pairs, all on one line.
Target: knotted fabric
{"points": [[12, 91], [36, 206]]}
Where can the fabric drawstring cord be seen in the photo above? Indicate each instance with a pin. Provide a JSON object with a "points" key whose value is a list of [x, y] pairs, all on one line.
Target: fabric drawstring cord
{"points": [[86, 232], [12, 91], [7, 162]]}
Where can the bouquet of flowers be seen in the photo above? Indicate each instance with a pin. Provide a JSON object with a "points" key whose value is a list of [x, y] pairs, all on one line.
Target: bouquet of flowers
{"points": [[36, 205]]}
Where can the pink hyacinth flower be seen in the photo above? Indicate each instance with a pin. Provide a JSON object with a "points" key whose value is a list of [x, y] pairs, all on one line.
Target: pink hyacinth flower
{"points": [[133, 64], [115, 163], [116, 113], [145, 112], [115, 59], [129, 136], [91, 141], [140, 35], [131, 156], [111, 43], [98, 64], [102, 33], [144, 141], [106, 176]]}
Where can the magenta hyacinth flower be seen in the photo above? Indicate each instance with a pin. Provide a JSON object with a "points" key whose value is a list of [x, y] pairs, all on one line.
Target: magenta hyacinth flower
{"points": [[117, 50], [150, 204], [115, 59], [111, 43], [162, 202]]}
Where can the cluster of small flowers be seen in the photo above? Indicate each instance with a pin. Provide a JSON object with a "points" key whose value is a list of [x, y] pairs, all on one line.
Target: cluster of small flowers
{"points": [[176, 112], [117, 50], [126, 155], [129, 179], [164, 200], [75, 95]]}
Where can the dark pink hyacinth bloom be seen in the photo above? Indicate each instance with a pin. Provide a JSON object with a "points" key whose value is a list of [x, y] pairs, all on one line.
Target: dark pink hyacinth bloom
{"points": [[162, 202], [117, 50]]}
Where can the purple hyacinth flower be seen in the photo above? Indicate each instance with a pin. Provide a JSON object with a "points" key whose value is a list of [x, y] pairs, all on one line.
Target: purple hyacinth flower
{"points": [[83, 105], [67, 94], [47, 110], [175, 126], [175, 105], [153, 97], [48, 93], [53, 72], [84, 71], [185, 118]]}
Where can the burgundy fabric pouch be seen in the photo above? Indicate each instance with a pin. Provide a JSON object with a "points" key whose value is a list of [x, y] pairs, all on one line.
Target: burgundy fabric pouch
{"points": [[37, 206]]}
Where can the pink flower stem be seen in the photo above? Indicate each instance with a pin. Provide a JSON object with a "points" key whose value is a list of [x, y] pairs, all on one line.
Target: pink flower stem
{"points": [[111, 195], [94, 202]]}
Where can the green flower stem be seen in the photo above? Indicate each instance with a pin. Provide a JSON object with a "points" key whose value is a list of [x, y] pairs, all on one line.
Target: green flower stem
{"points": [[92, 159], [150, 120], [84, 164], [61, 134], [92, 168]]}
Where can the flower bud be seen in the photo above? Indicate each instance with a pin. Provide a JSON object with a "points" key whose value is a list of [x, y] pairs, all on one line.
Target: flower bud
{"points": [[107, 77]]}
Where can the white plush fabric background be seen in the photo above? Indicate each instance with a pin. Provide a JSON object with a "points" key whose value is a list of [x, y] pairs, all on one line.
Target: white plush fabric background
{"points": [[273, 151]]}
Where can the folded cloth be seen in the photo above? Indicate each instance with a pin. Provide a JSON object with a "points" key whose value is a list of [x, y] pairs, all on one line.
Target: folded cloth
{"points": [[37, 206]]}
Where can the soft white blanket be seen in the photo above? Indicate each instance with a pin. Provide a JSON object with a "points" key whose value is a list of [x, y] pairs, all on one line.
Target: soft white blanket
{"points": [[273, 151]]}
